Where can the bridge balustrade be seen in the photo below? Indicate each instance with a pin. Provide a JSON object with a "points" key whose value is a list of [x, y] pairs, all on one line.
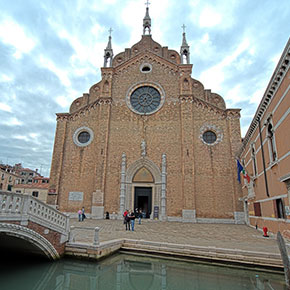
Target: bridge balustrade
{"points": [[19, 207]]}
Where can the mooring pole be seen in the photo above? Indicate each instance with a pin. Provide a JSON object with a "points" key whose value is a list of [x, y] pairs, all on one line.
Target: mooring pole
{"points": [[285, 259]]}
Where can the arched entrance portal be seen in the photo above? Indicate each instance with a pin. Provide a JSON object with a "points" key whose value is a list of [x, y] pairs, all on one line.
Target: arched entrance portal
{"points": [[143, 183], [143, 186]]}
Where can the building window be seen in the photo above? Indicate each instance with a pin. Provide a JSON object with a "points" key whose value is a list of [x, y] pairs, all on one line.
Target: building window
{"points": [[209, 137], [22, 180], [271, 140], [146, 68], [18, 191], [10, 178], [29, 181], [145, 99], [9, 187], [31, 173], [280, 211], [35, 193], [257, 209], [2, 177], [35, 180], [1, 186], [83, 136], [254, 161]]}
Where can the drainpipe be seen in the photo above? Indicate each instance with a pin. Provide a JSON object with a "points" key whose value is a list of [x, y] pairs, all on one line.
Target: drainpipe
{"points": [[263, 158]]}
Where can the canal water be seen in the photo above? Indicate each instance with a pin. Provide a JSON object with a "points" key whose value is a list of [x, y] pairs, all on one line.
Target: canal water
{"points": [[129, 272]]}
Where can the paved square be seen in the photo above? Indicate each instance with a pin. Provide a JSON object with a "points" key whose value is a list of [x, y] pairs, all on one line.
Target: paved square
{"points": [[226, 236]]}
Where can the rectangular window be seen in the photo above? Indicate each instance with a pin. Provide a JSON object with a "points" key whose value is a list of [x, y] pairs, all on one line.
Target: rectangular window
{"points": [[257, 209], [30, 173], [35, 193], [35, 180], [29, 180], [18, 191], [280, 210], [2, 177], [9, 187]]}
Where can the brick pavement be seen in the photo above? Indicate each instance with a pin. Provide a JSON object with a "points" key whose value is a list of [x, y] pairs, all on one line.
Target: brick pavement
{"points": [[226, 236]]}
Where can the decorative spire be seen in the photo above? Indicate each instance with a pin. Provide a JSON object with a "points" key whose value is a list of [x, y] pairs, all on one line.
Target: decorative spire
{"points": [[108, 56], [147, 20], [184, 49]]}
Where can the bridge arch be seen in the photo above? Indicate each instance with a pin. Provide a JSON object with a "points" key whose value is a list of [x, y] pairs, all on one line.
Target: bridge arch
{"points": [[30, 236]]}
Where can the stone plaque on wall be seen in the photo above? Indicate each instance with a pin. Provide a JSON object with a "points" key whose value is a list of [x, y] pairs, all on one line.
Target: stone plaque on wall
{"points": [[98, 198], [76, 196]]}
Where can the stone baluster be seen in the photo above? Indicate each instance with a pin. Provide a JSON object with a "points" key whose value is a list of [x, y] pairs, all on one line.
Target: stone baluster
{"points": [[96, 237], [71, 235], [123, 185]]}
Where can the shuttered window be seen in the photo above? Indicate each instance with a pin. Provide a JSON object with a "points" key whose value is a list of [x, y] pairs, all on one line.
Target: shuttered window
{"points": [[257, 209]]}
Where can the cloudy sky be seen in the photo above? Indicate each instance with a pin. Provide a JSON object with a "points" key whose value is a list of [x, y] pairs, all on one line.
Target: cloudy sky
{"points": [[51, 53]]}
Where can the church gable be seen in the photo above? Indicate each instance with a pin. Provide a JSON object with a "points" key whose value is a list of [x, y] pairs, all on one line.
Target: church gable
{"points": [[146, 44]]}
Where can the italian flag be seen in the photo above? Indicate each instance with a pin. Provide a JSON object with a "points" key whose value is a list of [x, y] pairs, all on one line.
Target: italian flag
{"points": [[246, 176]]}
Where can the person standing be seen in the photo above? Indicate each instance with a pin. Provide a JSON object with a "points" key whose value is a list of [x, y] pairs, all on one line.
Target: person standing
{"points": [[132, 219], [127, 220], [140, 216], [80, 215], [83, 213]]}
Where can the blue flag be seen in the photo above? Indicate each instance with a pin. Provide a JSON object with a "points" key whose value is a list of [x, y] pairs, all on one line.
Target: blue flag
{"points": [[240, 168]]}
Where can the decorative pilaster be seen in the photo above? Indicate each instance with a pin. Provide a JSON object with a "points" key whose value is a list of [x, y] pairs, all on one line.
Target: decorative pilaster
{"points": [[163, 216], [123, 185]]}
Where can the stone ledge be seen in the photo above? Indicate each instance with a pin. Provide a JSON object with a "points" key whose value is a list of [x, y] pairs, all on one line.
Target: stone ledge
{"points": [[214, 254]]}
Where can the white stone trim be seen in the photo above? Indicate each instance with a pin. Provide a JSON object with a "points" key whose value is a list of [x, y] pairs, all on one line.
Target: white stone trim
{"points": [[270, 219], [31, 236], [80, 130], [215, 221], [272, 198]]}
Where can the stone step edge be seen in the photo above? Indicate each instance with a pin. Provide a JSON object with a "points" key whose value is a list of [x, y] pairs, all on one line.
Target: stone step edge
{"points": [[199, 252]]}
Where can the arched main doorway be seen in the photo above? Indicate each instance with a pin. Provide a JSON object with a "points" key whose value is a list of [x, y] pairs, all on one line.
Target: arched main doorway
{"points": [[143, 186]]}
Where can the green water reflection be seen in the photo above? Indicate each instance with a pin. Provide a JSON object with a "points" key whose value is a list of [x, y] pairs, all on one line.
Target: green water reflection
{"points": [[131, 272]]}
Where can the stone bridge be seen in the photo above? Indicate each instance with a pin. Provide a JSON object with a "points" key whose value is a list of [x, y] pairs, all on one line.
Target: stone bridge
{"points": [[32, 226]]}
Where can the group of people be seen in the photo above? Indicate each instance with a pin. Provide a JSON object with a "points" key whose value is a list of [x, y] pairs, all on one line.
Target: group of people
{"points": [[129, 218], [81, 214]]}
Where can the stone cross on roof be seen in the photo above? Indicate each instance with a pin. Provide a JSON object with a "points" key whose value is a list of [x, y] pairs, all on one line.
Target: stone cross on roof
{"points": [[147, 3], [183, 27], [110, 30]]}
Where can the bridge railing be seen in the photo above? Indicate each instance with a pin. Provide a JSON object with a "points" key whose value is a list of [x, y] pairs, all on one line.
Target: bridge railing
{"points": [[24, 208]]}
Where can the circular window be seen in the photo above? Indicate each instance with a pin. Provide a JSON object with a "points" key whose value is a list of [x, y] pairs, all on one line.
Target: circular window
{"points": [[146, 68], [145, 99], [83, 136], [209, 137]]}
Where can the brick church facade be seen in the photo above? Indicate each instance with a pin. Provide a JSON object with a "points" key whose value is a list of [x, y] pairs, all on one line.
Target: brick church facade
{"points": [[148, 136]]}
